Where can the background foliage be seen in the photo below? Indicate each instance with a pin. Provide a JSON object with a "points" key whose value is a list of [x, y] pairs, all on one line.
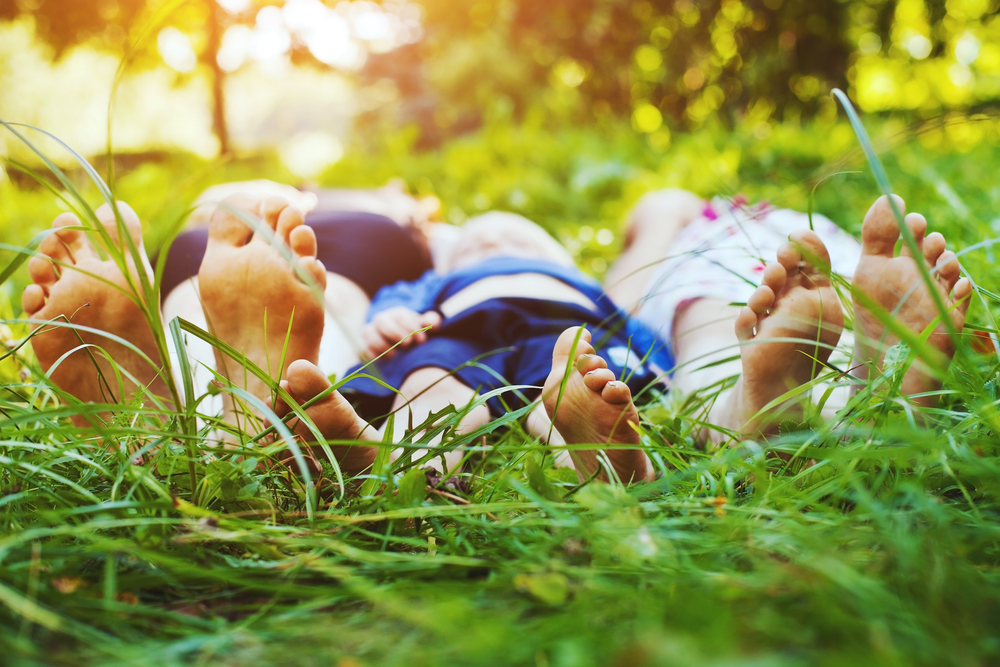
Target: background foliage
{"points": [[876, 542]]}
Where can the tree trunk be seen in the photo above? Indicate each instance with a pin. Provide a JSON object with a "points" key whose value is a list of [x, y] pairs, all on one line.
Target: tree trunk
{"points": [[218, 76]]}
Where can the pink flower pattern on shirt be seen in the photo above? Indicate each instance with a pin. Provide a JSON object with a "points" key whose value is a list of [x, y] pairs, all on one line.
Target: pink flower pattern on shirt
{"points": [[723, 254]]}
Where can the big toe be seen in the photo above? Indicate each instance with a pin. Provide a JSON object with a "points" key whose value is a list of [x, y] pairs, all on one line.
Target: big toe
{"points": [[69, 243], [815, 256], [234, 219], [306, 380], [572, 342], [880, 230], [333, 415], [129, 220]]}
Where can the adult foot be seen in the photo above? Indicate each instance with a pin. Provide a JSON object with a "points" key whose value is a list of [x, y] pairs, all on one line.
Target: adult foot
{"points": [[334, 418], [252, 296], [787, 330], [594, 409], [71, 281], [893, 287]]}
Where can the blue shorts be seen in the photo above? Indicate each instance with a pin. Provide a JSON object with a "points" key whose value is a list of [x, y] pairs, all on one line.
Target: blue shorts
{"points": [[498, 343]]}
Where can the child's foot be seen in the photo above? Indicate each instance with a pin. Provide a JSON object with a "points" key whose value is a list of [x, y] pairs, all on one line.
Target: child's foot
{"points": [[95, 293], [245, 282], [333, 416], [884, 279], [795, 301], [594, 409]]}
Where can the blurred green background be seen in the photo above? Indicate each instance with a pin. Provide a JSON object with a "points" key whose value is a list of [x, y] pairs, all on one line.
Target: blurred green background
{"points": [[567, 111]]}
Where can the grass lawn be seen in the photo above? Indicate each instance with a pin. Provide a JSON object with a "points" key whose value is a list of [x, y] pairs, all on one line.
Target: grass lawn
{"points": [[876, 540]]}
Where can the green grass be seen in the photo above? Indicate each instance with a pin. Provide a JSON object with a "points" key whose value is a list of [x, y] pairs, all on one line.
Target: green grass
{"points": [[876, 542]]}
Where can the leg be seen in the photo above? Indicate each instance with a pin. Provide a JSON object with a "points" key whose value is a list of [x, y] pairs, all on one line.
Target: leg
{"points": [[430, 390], [594, 409], [71, 280], [881, 283], [653, 224], [705, 344]]}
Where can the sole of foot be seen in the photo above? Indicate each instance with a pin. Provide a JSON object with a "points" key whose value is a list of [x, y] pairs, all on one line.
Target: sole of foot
{"points": [[786, 331], [594, 409], [70, 280], [893, 286], [253, 297], [333, 417]]}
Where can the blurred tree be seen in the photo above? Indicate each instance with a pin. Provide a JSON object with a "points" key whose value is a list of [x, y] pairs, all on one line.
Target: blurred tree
{"points": [[681, 63], [108, 24]]}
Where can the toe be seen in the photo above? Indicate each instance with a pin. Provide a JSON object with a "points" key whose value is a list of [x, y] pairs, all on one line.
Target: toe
{"points": [[74, 240], [880, 230], [775, 276], [590, 362], [596, 379], [761, 300], [815, 256], [934, 245], [270, 212], [230, 223], [289, 219], [948, 269], [32, 299], [106, 216], [616, 393], [564, 346], [315, 269], [54, 247], [279, 406], [746, 320], [789, 257], [333, 416], [963, 290], [302, 239], [43, 272], [917, 224], [306, 380]]}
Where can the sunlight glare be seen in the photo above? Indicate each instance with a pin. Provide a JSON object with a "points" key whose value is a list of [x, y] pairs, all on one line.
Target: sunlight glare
{"points": [[176, 51], [234, 6], [304, 15], [309, 153], [269, 18], [918, 46], [235, 47], [967, 49], [269, 44], [331, 43]]}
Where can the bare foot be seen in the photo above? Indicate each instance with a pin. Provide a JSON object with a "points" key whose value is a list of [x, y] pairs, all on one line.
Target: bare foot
{"points": [[94, 293], [245, 282], [795, 303], [594, 409], [333, 416], [884, 279]]}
